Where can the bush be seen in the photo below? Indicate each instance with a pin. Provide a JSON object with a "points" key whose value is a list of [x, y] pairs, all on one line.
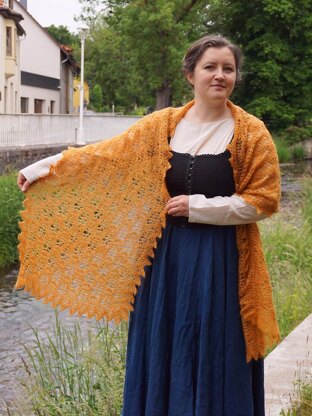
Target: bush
{"points": [[296, 134], [298, 152], [283, 152], [10, 205]]}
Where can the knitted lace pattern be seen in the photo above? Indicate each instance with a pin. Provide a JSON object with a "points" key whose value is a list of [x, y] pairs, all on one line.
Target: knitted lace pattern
{"points": [[91, 226]]}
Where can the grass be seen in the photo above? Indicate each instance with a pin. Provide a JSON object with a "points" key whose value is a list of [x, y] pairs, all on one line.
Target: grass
{"points": [[73, 374], [10, 205], [301, 405], [287, 241]]}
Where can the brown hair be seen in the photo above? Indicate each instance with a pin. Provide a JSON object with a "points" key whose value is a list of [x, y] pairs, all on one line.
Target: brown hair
{"points": [[197, 49]]}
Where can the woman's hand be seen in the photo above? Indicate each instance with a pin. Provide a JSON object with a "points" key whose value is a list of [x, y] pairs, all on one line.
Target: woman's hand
{"points": [[178, 206], [22, 182]]}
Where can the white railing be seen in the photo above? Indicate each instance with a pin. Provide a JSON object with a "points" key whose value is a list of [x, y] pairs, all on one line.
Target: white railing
{"points": [[27, 130]]}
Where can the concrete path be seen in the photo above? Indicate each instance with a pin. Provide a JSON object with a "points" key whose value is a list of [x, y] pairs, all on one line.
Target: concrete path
{"points": [[289, 361]]}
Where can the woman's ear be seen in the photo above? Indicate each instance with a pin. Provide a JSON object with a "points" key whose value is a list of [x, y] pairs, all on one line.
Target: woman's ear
{"points": [[189, 77]]}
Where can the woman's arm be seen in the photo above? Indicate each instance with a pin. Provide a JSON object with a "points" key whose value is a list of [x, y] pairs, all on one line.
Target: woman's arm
{"points": [[219, 210], [35, 171], [222, 210]]}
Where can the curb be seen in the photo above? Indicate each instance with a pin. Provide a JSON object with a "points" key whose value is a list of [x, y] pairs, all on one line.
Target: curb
{"points": [[290, 361]]}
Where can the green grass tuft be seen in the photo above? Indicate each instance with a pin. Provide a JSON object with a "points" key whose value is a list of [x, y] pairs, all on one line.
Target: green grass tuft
{"points": [[74, 374], [10, 205]]}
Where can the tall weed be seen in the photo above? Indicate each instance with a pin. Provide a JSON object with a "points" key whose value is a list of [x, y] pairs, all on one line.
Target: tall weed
{"points": [[10, 205], [74, 374], [287, 240]]}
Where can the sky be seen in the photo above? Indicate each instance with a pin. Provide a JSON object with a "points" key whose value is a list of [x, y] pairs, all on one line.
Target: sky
{"points": [[55, 12]]}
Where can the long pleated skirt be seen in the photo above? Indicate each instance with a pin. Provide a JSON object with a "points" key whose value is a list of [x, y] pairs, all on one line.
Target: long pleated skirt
{"points": [[186, 352]]}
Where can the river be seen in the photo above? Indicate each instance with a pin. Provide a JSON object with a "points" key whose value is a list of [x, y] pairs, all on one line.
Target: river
{"points": [[19, 311]]}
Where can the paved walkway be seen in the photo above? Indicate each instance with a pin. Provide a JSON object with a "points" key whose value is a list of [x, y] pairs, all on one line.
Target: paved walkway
{"points": [[290, 361]]}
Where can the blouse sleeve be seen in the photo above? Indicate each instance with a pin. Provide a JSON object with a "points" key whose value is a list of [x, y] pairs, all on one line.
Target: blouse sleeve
{"points": [[40, 168], [227, 210]]}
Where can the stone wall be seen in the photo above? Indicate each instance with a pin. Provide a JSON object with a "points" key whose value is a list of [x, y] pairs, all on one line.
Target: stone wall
{"points": [[16, 159]]}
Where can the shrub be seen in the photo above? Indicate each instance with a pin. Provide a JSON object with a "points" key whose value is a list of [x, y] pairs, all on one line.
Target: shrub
{"points": [[298, 152], [296, 134], [283, 152], [10, 205]]}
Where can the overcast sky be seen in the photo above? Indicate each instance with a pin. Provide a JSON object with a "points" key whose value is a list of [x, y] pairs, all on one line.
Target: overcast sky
{"points": [[55, 12]]}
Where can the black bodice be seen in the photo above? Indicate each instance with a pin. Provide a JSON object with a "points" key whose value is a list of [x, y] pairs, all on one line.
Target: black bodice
{"points": [[209, 175]]}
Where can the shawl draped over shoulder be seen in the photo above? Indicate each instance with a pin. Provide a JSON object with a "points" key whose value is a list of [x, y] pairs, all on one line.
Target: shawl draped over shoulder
{"points": [[91, 225]]}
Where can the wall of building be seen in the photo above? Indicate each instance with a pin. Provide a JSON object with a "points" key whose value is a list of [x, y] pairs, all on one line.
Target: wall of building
{"points": [[33, 93], [40, 64], [9, 70]]}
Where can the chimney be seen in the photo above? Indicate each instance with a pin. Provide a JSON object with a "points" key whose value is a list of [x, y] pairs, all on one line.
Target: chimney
{"points": [[24, 3]]}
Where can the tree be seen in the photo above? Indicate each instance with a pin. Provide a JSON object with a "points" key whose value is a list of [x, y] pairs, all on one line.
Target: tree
{"points": [[151, 37], [62, 35], [276, 37], [96, 98]]}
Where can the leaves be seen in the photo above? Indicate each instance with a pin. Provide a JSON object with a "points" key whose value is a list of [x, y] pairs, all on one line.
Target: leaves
{"points": [[276, 40]]}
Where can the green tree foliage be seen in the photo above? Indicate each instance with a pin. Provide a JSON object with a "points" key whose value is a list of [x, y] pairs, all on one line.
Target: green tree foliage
{"points": [[276, 37], [96, 98], [62, 35], [137, 46]]}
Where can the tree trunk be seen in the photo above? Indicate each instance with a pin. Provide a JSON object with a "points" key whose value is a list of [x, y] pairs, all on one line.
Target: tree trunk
{"points": [[163, 96]]}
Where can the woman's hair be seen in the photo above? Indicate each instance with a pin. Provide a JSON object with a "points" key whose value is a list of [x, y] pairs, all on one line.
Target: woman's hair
{"points": [[197, 49]]}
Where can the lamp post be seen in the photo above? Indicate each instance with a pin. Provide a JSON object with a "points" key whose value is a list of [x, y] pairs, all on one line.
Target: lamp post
{"points": [[83, 32]]}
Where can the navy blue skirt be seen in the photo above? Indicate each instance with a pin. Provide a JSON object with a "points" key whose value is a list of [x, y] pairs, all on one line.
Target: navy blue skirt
{"points": [[186, 352]]}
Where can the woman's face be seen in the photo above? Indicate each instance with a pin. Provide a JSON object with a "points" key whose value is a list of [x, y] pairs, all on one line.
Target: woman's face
{"points": [[214, 76]]}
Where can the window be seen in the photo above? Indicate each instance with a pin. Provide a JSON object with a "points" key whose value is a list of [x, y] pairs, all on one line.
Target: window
{"points": [[52, 107], [24, 104], [38, 106], [9, 41]]}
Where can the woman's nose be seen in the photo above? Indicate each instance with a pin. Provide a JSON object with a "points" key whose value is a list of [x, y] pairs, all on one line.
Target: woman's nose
{"points": [[219, 73]]}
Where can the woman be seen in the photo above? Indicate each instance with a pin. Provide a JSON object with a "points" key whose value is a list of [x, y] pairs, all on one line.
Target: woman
{"points": [[203, 315]]}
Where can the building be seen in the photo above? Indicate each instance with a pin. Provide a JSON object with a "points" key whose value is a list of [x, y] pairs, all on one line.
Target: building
{"points": [[10, 76], [36, 72], [47, 69]]}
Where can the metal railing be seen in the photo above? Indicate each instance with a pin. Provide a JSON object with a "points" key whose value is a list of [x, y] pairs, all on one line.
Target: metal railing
{"points": [[28, 130]]}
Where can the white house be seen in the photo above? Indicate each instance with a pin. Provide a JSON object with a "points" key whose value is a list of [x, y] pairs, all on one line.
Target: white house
{"points": [[47, 69], [10, 77], [36, 72]]}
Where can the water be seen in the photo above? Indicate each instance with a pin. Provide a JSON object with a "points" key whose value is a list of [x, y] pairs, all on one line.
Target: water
{"points": [[19, 311], [292, 173]]}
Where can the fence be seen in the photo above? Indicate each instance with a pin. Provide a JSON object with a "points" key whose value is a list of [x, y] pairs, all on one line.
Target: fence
{"points": [[28, 130]]}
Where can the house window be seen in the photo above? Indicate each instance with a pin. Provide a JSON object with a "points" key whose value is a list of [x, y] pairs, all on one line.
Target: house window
{"points": [[24, 104], [9, 41], [52, 107], [38, 106]]}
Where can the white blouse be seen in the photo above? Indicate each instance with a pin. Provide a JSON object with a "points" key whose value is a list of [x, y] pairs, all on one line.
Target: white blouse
{"points": [[212, 138], [196, 139]]}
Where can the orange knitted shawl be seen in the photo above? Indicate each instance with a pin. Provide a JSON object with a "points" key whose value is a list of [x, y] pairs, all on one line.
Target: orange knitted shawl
{"points": [[92, 224]]}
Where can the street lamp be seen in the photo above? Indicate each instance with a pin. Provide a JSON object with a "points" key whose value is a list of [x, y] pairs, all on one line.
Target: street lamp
{"points": [[83, 32]]}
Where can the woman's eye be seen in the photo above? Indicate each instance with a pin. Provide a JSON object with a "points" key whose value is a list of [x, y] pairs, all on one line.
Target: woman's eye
{"points": [[209, 67], [229, 69]]}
